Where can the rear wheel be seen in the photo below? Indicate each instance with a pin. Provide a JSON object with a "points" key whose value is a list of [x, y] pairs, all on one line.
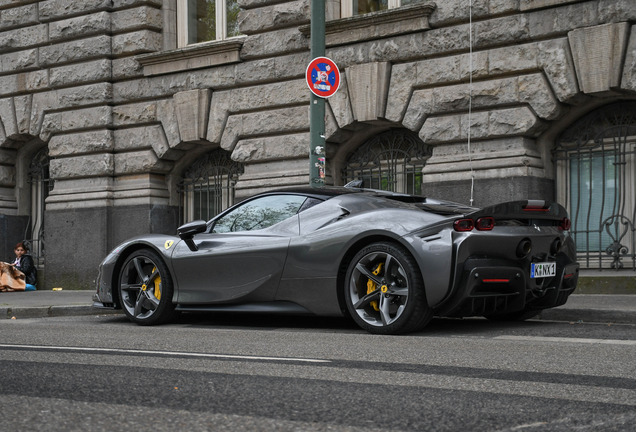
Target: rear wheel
{"points": [[145, 288], [384, 290]]}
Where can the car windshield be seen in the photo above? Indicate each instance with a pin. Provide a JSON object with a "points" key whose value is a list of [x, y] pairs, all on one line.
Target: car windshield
{"points": [[259, 213]]}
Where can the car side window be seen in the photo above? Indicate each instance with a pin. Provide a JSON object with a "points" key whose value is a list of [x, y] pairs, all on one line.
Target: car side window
{"points": [[259, 213]]}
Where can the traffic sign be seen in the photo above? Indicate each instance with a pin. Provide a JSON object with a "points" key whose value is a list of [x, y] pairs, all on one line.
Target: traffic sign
{"points": [[322, 77]]}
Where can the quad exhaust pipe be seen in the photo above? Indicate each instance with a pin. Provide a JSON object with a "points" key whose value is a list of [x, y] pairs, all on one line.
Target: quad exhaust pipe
{"points": [[524, 248]]}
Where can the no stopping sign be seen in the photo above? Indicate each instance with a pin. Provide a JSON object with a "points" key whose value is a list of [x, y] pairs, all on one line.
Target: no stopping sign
{"points": [[322, 77]]}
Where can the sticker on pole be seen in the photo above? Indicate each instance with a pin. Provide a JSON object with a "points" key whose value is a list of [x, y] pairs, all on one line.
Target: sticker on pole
{"points": [[323, 77]]}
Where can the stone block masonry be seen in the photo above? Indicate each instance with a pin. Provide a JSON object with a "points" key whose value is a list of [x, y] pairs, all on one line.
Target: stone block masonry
{"points": [[124, 111]]}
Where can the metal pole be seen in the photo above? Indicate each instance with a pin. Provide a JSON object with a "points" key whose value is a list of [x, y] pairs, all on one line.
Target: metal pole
{"points": [[317, 104]]}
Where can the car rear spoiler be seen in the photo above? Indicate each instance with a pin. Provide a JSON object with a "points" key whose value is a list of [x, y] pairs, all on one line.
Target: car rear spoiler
{"points": [[528, 209]]}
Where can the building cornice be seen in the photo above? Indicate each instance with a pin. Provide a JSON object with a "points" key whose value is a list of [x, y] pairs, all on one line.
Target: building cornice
{"points": [[196, 56], [376, 25]]}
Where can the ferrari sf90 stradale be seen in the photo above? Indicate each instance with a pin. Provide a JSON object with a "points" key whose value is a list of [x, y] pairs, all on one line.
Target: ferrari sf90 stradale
{"points": [[390, 261]]}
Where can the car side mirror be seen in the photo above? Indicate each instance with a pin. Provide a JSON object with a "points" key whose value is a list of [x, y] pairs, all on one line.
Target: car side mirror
{"points": [[189, 230]]}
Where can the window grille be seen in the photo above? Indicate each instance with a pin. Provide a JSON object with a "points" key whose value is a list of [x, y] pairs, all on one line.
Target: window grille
{"points": [[41, 184], [391, 161], [595, 165], [207, 188]]}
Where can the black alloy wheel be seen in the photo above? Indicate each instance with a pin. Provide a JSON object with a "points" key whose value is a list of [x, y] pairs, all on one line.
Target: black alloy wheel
{"points": [[145, 288], [384, 290]]}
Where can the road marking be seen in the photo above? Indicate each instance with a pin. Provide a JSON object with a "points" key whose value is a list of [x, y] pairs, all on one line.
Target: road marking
{"points": [[163, 353], [309, 371], [570, 340]]}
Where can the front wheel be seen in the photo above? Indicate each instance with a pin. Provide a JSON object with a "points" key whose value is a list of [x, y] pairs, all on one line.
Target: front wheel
{"points": [[145, 288], [384, 290]]}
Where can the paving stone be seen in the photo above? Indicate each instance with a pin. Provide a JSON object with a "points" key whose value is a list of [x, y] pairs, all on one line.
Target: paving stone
{"points": [[167, 115], [138, 42], [82, 166], [53, 9], [23, 37], [629, 68], [143, 112], [87, 25], [7, 176], [241, 126], [8, 116], [96, 70], [99, 141], [272, 148], [125, 68], [82, 49], [19, 16], [137, 18], [192, 108], [273, 17], [117, 4], [37, 80], [22, 106], [16, 61], [144, 161], [275, 42], [85, 95]]}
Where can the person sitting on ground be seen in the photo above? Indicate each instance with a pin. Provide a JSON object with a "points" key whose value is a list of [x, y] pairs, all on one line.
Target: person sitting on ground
{"points": [[24, 263]]}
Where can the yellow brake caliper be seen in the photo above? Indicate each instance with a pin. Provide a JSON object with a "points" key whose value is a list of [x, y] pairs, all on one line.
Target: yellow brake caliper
{"points": [[371, 286], [157, 284]]}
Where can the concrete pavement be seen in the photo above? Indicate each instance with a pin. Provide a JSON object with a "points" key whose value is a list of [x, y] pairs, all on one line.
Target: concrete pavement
{"points": [[41, 303], [611, 308]]}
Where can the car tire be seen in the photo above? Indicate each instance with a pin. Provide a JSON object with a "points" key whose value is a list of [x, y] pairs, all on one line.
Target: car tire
{"points": [[521, 315], [145, 288], [385, 301]]}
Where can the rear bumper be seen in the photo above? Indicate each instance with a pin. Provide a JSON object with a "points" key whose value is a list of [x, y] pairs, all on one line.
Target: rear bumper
{"points": [[494, 286]]}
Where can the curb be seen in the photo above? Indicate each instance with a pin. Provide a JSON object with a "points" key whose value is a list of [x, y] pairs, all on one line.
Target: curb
{"points": [[589, 315], [556, 314], [53, 311]]}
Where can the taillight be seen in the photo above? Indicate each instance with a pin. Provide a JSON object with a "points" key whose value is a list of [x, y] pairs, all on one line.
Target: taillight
{"points": [[485, 224], [565, 224], [464, 225]]}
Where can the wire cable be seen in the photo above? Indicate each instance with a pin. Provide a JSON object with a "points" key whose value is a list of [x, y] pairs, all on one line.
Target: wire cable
{"points": [[470, 101]]}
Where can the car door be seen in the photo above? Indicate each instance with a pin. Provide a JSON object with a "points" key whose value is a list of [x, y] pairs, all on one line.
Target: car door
{"points": [[242, 256]]}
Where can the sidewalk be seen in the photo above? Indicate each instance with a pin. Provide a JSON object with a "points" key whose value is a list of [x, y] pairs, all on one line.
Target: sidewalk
{"points": [[38, 304]]}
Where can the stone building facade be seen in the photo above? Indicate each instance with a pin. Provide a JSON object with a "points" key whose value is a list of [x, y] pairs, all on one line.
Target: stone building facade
{"points": [[109, 107]]}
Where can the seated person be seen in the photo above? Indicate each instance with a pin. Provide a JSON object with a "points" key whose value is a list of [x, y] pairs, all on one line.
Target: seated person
{"points": [[24, 263]]}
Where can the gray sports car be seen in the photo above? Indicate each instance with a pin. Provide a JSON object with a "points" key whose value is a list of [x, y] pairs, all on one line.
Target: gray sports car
{"points": [[390, 261]]}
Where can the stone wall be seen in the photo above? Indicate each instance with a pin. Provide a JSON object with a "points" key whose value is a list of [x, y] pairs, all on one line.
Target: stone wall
{"points": [[124, 112]]}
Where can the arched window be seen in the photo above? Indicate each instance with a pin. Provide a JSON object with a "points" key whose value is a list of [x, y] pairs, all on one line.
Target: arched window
{"points": [[41, 185], [207, 188], [596, 181], [391, 161]]}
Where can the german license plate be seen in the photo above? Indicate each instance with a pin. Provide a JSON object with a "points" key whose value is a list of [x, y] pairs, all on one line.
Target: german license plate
{"points": [[541, 270]]}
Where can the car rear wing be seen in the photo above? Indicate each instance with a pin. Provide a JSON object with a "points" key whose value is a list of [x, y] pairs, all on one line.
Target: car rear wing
{"points": [[523, 210]]}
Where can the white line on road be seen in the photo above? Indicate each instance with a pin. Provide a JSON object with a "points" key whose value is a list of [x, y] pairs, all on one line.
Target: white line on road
{"points": [[164, 353], [567, 340]]}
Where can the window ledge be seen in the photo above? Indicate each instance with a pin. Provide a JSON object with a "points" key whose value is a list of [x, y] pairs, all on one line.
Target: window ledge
{"points": [[376, 25], [201, 55]]}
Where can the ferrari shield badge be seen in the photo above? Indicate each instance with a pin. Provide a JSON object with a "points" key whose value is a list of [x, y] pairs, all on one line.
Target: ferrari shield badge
{"points": [[168, 244]]}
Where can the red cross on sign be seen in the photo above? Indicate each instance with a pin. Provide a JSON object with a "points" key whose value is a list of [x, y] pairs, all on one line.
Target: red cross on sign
{"points": [[323, 77]]}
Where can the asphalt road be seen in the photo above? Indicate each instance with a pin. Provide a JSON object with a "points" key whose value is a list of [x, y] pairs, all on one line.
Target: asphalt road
{"points": [[264, 373]]}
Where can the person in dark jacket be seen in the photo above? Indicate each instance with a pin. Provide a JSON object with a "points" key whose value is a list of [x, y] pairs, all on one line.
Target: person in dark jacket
{"points": [[24, 263]]}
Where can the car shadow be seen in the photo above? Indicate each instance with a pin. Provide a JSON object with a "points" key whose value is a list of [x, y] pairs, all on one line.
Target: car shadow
{"points": [[474, 326]]}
